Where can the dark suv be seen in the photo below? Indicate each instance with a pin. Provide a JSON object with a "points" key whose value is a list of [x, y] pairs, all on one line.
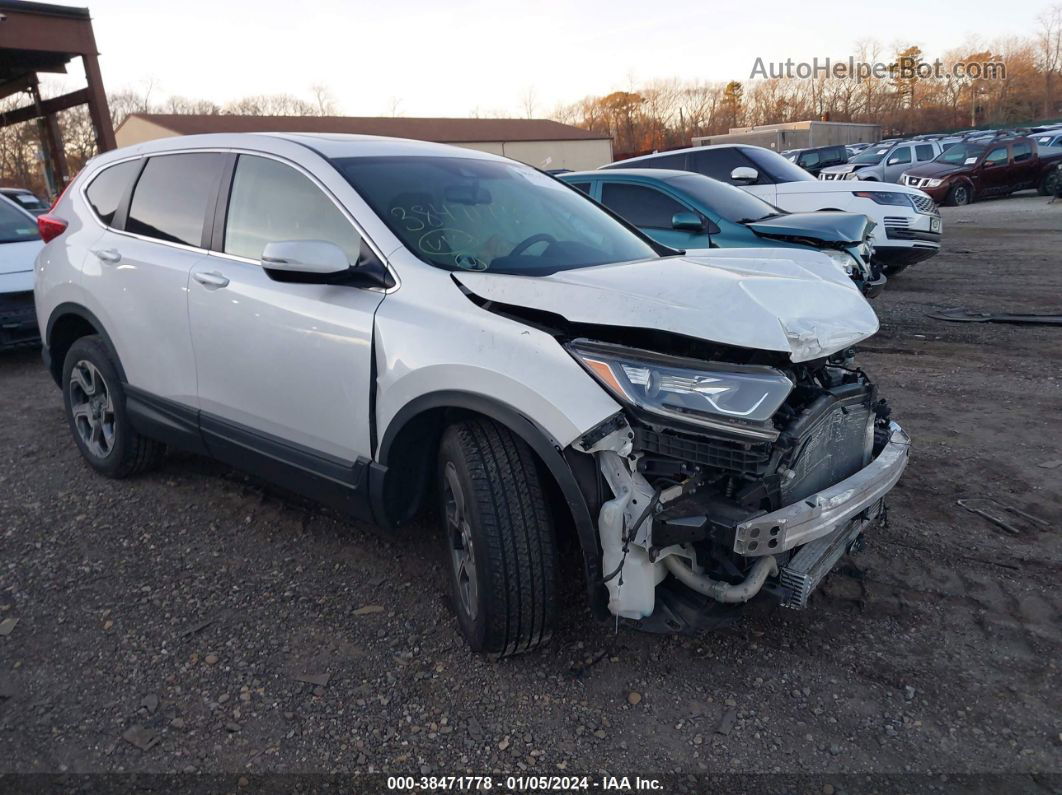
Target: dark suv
{"points": [[818, 158]]}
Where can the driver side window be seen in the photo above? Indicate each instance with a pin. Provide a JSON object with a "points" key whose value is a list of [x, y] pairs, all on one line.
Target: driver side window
{"points": [[644, 207], [271, 201], [901, 155], [997, 156]]}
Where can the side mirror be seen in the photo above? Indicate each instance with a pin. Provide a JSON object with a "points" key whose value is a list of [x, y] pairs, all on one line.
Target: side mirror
{"points": [[892, 161], [744, 175], [689, 222], [305, 256]]}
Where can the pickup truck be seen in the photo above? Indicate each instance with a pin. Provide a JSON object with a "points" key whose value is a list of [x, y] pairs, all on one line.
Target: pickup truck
{"points": [[976, 170]]}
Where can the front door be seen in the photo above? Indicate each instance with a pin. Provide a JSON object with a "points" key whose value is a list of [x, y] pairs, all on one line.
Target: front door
{"points": [[652, 211], [897, 162], [284, 368], [995, 174]]}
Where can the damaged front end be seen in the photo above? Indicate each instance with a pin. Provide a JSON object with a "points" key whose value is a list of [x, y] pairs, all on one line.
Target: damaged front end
{"points": [[730, 480]]}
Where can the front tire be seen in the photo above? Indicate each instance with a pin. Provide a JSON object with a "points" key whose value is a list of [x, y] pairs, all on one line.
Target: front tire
{"points": [[95, 410], [501, 553], [959, 196]]}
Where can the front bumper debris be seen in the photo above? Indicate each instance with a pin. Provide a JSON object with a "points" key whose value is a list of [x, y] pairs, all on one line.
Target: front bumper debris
{"points": [[822, 513], [812, 562]]}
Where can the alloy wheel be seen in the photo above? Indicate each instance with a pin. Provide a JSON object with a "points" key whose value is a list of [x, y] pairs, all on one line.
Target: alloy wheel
{"points": [[459, 539], [92, 408]]}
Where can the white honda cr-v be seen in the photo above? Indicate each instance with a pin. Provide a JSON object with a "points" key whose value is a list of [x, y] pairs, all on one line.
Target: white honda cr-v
{"points": [[383, 323]]}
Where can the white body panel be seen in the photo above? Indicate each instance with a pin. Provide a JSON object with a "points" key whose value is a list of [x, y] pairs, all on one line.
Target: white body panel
{"points": [[143, 297], [289, 360], [432, 338]]}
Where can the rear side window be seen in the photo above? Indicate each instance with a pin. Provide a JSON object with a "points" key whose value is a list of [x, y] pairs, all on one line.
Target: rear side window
{"points": [[270, 202], [640, 206], [106, 191], [171, 197], [677, 162], [719, 163], [924, 152], [1021, 151]]}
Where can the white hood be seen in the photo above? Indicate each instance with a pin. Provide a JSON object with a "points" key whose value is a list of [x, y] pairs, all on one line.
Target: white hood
{"points": [[820, 186], [766, 302]]}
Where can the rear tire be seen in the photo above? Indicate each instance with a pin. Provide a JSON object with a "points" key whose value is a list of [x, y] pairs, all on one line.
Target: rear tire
{"points": [[501, 552], [959, 196], [95, 410], [1049, 185]]}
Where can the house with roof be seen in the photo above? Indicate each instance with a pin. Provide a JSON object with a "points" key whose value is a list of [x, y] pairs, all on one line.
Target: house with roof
{"points": [[542, 143]]}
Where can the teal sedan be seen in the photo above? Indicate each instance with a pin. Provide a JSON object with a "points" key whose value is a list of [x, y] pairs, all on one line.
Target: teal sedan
{"points": [[690, 211]]}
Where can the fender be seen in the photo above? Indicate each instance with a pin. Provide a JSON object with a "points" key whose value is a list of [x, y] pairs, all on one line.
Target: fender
{"points": [[55, 364], [538, 439]]}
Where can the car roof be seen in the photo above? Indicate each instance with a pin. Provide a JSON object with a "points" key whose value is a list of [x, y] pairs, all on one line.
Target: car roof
{"points": [[325, 144], [658, 174], [686, 149]]}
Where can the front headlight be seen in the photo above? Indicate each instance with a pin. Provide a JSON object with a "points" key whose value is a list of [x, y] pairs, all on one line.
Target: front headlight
{"points": [[894, 198], [843, 259], [934, 183], [736, 398], [852, 175]]}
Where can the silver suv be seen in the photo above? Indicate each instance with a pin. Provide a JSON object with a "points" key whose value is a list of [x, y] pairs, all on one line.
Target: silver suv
{"points": [[388, 325], [884, 162]]}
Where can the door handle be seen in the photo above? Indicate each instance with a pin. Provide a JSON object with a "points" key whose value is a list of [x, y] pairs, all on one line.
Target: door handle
{"points": [[109, 255], [210, 279]]}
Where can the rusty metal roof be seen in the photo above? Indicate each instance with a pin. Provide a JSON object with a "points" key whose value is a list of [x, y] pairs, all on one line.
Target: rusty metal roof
{"points": [[439, 130]]}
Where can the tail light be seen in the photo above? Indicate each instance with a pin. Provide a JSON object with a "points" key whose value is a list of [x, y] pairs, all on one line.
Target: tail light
{"points": [[50, 226]]}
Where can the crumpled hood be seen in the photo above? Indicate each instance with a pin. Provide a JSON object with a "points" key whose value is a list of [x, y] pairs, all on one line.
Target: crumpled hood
{"points": [[829, 227], [768, 302]]}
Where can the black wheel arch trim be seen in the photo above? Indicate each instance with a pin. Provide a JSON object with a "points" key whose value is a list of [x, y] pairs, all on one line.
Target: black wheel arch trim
{"points": [[71, 308], [544, 445]]}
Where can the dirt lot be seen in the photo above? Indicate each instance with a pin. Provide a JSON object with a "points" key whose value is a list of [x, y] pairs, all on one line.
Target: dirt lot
{"points": [[936, 649]]}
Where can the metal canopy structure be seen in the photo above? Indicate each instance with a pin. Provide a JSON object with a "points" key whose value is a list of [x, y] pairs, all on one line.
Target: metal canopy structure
{"points": [[38, 38]]}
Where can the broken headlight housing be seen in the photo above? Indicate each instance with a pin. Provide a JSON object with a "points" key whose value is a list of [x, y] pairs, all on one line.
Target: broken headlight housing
{"points": [[738, 399]]}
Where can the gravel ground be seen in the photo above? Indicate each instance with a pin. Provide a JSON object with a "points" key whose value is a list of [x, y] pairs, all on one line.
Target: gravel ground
{"points": [[192, 620]]}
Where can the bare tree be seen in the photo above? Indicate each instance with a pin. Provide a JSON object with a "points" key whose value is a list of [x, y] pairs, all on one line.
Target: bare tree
{"points": [[528, 103], [1049, 51]]}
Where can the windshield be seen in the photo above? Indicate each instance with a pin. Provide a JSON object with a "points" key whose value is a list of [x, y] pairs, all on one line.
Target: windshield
{"points": [[871, 156], [733, 204], [15, 227], [961, 155], [463, 213], [776, 166]]}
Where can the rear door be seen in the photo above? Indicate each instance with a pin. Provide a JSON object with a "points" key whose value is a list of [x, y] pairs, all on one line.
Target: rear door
{"points": [[284, 367], [1025, 166], [137, 271]]}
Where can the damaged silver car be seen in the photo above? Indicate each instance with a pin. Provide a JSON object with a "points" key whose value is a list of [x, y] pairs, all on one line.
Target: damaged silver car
{"points": [[390, 326]]}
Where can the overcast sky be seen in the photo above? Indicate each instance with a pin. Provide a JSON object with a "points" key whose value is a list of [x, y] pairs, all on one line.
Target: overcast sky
{"points": [[455, 57]]}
